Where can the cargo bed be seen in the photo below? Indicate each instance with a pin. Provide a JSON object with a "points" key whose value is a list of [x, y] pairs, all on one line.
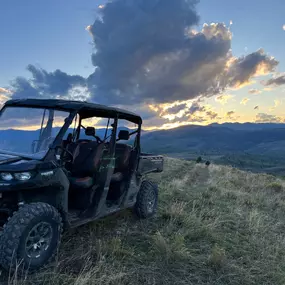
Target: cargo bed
{"points": [[150, 163]]}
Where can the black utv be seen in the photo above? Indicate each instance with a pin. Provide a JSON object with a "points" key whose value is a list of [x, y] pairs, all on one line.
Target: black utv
{"points": [[57, 171]]}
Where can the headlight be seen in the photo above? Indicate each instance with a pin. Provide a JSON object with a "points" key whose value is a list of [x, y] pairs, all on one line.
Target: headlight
{"points": [[6, 176], [23, 176]]}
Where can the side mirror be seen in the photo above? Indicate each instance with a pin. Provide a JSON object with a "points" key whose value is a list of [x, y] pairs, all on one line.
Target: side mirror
{"points": [[124, 135], [90, 131]]}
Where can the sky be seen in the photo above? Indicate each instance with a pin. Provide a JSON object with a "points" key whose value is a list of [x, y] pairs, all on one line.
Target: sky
{"points": [[175, 62]]}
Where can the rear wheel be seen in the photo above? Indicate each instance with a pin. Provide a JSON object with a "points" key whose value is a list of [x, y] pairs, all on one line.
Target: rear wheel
{"points": [[146, 205], [31, 237]]}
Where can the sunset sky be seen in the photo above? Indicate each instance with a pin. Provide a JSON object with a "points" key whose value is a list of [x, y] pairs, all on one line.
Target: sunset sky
{"points": [[175, 64]]}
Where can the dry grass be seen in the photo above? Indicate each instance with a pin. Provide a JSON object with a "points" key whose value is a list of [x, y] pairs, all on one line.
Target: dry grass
{"points": [[215, 225]]}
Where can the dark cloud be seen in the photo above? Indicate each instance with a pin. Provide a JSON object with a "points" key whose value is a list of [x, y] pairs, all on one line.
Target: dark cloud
{"points": [[267, 118], [56, 82], [154, 58], [276, 81], [187, 111], [244, 68], [230, 113], [204, 117], [143, 110], [22, 88], [159, 60], [195, 107], [212, 115], [176, 109], [155, 122], [45, 84]]}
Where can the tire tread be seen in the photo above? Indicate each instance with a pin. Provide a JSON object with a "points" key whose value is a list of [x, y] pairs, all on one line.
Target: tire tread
{"points": [[140, 207], [17, 224]]}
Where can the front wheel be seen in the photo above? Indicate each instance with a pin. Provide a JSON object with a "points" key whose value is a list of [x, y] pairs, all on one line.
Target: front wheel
{"points": [[31, 237], [146, 205]]}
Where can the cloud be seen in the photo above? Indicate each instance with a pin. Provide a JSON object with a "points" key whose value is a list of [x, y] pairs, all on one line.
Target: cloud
{"points": [[276, 81], [156, 60], [212, 115], [45, 84], [3, 99], [267, 118], [267, 89], [4, 91], [143, 110], [178, 111], [153, 61], [88, 28], [230, 113], [244, 68], [244, 101], [155, 123], [198, 114], [276, 104], [195, 107], [4, 95], [183, 114], [176, 108], [223, 99], [254, 91], [256, 108]]}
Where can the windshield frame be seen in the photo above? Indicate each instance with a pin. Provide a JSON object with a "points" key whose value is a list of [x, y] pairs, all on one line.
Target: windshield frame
{"points": [[57, 140]]}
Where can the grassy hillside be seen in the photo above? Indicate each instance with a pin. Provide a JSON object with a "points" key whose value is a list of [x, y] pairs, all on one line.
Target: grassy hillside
{"points": [[215, 225]]}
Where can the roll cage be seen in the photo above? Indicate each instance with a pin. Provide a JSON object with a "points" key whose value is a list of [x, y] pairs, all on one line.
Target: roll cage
{"points": [[83, 110]]}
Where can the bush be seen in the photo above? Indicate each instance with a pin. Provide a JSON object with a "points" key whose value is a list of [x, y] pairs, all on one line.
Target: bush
{"points": [[275, 186], [199, 159]]}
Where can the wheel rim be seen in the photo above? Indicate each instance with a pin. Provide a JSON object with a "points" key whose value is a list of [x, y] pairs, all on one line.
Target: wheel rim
{"points": [[151, 201], [38, 240]]}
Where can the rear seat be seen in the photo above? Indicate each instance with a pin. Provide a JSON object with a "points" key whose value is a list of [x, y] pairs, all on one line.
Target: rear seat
{"points": [[122, 156]]}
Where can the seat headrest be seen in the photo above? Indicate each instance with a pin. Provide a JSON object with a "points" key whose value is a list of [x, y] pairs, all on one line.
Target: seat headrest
{"points": [[124, 135], [90, 131]]}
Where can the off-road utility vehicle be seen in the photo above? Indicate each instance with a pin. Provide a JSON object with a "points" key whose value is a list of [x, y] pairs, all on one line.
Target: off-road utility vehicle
{"points": [[57, 172]]}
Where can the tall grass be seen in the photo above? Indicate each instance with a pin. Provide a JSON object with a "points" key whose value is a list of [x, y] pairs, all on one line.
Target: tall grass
{"points": [[215, 225]]}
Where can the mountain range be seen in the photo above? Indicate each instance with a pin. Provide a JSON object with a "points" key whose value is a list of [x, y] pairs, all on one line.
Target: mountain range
{"points": [[258, 147], [254, 147]]}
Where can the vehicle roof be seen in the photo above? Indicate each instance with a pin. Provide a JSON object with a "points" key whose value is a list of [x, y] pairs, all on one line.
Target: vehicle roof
{"points": [[84, 109]]}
